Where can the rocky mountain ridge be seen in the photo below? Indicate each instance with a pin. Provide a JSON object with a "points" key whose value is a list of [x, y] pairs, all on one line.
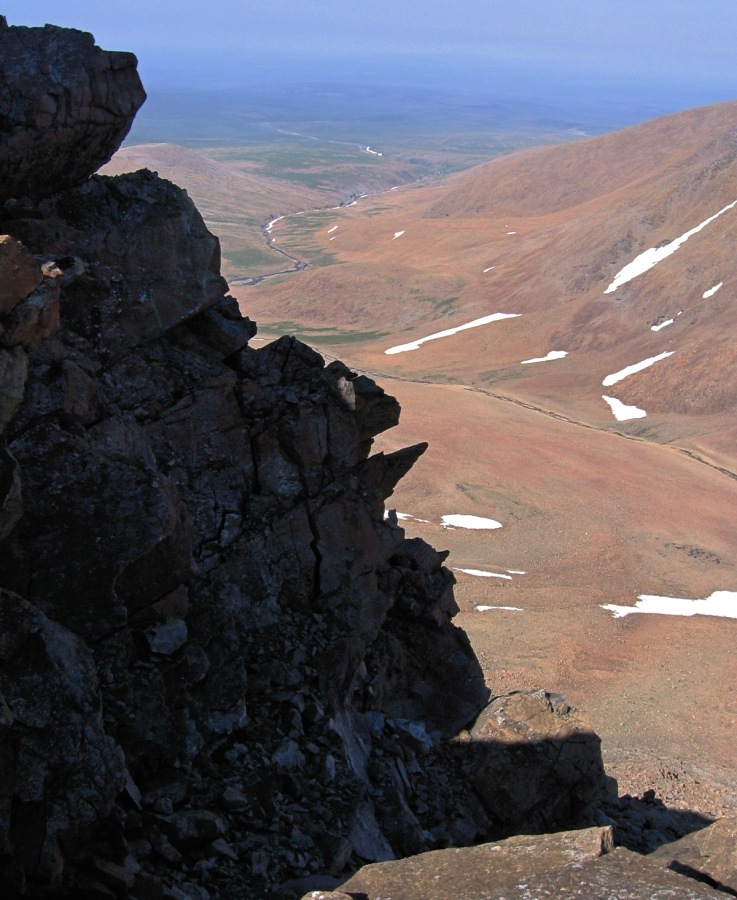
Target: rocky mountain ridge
{"points": [[224, 670]]}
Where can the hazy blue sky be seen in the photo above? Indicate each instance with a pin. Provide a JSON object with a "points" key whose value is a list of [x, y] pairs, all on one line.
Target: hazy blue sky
{"points": [[676, 44]]}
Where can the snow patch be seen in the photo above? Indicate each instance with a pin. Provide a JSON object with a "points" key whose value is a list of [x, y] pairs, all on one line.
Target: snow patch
{"points": [[720, 603], [456, 520], [511, 232], [622, 412], [480, 573], [712, 291], [484, 320], [404, 517], [554, 354], [331, 230], [510, 608], [397, 234], [662, 325], [489, 269], [654, 255], [635, 367]]}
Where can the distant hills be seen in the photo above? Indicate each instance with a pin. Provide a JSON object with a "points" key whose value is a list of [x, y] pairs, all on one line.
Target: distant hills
{"points": [[543, 233]]}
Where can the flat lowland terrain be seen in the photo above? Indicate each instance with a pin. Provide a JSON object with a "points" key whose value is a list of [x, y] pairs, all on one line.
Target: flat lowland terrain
{"points": [[249, 156], [546, 282]]}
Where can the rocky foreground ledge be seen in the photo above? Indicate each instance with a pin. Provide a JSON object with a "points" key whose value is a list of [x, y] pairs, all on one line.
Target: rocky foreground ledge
{"points": [[582, 864], [223, 671]]}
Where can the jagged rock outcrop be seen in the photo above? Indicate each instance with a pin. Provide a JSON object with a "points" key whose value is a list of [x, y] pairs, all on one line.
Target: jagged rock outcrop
{"points": [[65, 107], [197, 575]]}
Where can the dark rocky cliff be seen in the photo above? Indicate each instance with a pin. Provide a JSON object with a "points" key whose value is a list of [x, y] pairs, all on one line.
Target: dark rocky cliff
{"points": [[209, 630]]}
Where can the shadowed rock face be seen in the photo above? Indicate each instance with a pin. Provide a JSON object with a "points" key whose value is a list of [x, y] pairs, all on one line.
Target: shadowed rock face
{"points": [[65, 107], [51, 728], [210, 631], [539, 763]]}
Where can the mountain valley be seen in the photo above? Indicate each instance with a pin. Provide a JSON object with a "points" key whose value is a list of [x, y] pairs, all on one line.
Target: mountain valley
{"points": [[230, 655], [595, 510], [601, 500]]}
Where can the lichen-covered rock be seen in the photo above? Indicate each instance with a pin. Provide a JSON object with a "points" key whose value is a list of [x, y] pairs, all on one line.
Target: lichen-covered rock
{"points": [[498, 869], [576, 864], [65, 107]]}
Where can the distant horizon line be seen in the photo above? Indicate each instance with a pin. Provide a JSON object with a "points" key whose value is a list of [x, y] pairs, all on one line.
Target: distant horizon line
{"points": [[476, 74]]}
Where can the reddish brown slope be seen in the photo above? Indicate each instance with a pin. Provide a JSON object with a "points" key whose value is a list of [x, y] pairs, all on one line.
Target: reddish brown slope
{"points": [[553, 179], [592, 517], [579, 214]]}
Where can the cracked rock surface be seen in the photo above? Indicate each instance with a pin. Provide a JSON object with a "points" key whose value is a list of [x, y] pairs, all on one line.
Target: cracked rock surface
{"points": [[65, 107], [206, 519], [214, 646]]}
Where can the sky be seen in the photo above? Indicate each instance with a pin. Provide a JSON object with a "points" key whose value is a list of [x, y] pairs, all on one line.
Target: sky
{"points": [[671, 45]]}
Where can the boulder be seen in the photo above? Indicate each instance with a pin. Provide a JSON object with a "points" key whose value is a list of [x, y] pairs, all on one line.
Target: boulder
{"points": [[577, 864], [66, 107], [708, 855], [537, 763], [20, 273], [146, 261]]}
